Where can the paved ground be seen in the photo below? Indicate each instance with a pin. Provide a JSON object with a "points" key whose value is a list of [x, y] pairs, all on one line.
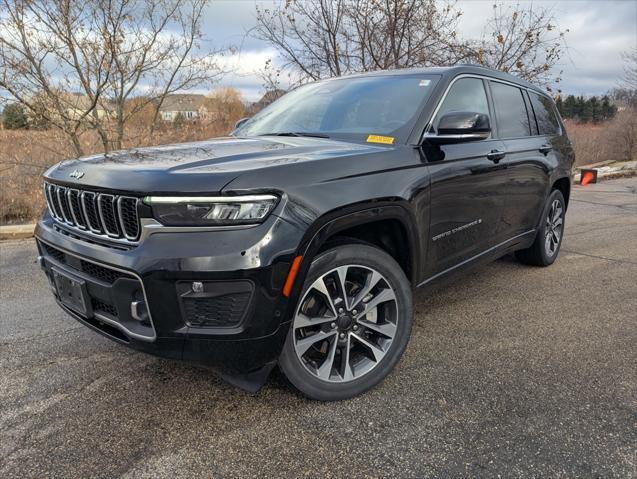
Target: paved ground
{"points": [[512, 371]]}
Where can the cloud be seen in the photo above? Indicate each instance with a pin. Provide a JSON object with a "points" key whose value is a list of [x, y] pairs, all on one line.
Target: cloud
{"points": [[598, 34], [599, 31], [244, 70]]}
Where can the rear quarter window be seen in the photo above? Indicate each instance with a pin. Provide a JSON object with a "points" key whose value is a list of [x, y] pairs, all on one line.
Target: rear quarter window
{"points": [[545, 115]]}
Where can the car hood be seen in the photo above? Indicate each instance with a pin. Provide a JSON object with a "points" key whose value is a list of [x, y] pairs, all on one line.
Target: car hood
{"points": [[201, 167]]}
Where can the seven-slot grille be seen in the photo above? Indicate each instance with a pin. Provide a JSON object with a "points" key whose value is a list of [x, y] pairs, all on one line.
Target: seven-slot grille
{"points": [[111, 216]]}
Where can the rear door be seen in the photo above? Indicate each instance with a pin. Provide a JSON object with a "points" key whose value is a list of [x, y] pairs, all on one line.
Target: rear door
{"points": [[549, 144], [467, 188], [526, 157]]}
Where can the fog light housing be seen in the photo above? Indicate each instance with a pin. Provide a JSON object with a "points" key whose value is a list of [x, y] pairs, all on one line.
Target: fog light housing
{"points": [[214, 304]]}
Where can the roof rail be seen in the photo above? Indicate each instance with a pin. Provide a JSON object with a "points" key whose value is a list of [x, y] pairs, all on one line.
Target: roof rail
{"points": [[475, 65]]}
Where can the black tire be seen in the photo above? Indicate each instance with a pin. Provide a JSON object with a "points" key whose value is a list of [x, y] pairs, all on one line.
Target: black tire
{"points": [[359, 259], [540, 253]]}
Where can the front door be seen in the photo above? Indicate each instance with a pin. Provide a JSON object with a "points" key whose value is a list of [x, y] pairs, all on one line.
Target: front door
{"points": [[467, 188]]}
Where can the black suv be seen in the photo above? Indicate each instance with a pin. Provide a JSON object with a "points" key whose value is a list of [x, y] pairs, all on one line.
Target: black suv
{"points": [[299, 240]]}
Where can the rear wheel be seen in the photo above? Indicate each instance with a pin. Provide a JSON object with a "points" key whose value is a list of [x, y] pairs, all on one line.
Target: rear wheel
{"points": [[351, 324], [546, 246]]}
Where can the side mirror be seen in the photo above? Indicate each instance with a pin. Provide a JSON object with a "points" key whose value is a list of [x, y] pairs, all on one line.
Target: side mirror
{"points": [[459, 126], [240, 122]]}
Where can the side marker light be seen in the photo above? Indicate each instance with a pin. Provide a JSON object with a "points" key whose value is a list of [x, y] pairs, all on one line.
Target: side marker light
{"points": [[289, 281]]}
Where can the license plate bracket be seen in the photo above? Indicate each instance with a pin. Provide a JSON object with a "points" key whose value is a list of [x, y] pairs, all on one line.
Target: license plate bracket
{"points": [[71, 291]]}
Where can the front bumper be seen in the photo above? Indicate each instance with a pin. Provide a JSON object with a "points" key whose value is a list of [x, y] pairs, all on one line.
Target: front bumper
{"points": [[145, 297]]}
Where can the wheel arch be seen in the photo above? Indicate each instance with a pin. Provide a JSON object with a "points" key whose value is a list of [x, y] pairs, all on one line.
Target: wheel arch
{"points": [[387, 225], [387, 234], [564, 185]]}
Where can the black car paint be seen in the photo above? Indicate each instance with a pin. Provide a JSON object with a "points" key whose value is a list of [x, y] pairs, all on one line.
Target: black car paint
{"points": [[326, 187]]}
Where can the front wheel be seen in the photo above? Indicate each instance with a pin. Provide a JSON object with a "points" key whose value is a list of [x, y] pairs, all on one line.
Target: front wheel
{"points": [[546, 246], [351, 325]]}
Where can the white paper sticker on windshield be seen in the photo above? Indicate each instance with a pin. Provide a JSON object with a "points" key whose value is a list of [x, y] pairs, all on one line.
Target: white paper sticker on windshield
{"points": [[424, 82]]}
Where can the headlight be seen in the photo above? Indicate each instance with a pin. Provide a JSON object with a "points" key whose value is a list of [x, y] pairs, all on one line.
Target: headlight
{"points": [[211, 210]]}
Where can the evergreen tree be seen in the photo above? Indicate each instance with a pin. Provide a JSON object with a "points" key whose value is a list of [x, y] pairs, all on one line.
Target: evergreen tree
{"points": [[582, 112], [570, 107], [609, 110], [15, 117], [595, 108], [560, 106]]}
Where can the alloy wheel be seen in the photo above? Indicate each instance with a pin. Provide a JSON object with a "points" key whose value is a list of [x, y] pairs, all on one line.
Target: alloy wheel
{"points": [[345, 323], [554, 223]]}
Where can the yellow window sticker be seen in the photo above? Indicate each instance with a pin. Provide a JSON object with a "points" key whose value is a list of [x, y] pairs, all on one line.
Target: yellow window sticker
{"points": [[386, 140]]}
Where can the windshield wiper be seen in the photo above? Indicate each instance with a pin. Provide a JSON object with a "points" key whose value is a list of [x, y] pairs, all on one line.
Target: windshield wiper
{"points": [[297, 133]]}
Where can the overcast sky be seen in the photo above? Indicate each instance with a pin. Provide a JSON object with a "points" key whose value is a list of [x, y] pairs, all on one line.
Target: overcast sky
{"points": [[599, 30]]}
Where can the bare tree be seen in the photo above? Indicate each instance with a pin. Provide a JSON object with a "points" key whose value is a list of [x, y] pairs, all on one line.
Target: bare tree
{"points": [[310, 37], [626, 91], [323, 38], [629, 79], [623, 134], [405, 33], [623, 131], [225, 106], [78, 64], [523, 40]]}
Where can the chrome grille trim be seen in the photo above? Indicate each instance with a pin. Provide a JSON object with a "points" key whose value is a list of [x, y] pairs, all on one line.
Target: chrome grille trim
{"points": [[49, 200], [107, 213], [80, 222], [61, 197], [131, 236], [96, 214], [94, 227]]}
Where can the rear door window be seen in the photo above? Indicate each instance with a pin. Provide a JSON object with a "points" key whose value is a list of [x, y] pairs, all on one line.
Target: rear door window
{"points": [[545, 116], [510, 110]]}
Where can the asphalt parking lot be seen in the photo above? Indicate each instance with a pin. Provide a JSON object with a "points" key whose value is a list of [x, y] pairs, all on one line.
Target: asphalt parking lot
{"points": [[512, 371]]}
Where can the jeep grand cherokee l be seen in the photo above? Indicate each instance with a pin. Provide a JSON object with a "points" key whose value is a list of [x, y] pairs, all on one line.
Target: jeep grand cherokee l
{"points": [[299, 240]]}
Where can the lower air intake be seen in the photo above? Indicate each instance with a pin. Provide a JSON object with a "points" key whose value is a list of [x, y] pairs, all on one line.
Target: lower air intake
{"points": [[217, 305]]}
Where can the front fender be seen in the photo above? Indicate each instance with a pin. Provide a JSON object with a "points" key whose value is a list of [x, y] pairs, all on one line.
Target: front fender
{"points": [[330, 224]]}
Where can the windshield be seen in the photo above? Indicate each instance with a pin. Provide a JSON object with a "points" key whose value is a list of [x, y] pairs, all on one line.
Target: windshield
{"points": [[380, 109]]}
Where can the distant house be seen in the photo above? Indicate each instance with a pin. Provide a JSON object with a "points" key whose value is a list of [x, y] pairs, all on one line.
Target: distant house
{"points": [[191, 106], [265, 100], [76, 105]]}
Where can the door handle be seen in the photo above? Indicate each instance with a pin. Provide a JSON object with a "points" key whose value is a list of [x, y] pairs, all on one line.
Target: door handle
{"points": [[496, 155], [545, 149]]}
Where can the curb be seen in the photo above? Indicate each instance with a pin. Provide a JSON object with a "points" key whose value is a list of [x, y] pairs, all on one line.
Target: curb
{"points": [[608, 170], [615, 175], [619, 174], [16, 231]]}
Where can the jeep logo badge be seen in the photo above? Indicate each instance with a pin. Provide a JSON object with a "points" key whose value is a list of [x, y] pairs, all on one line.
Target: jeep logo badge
{"points": [[77, 174]]}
